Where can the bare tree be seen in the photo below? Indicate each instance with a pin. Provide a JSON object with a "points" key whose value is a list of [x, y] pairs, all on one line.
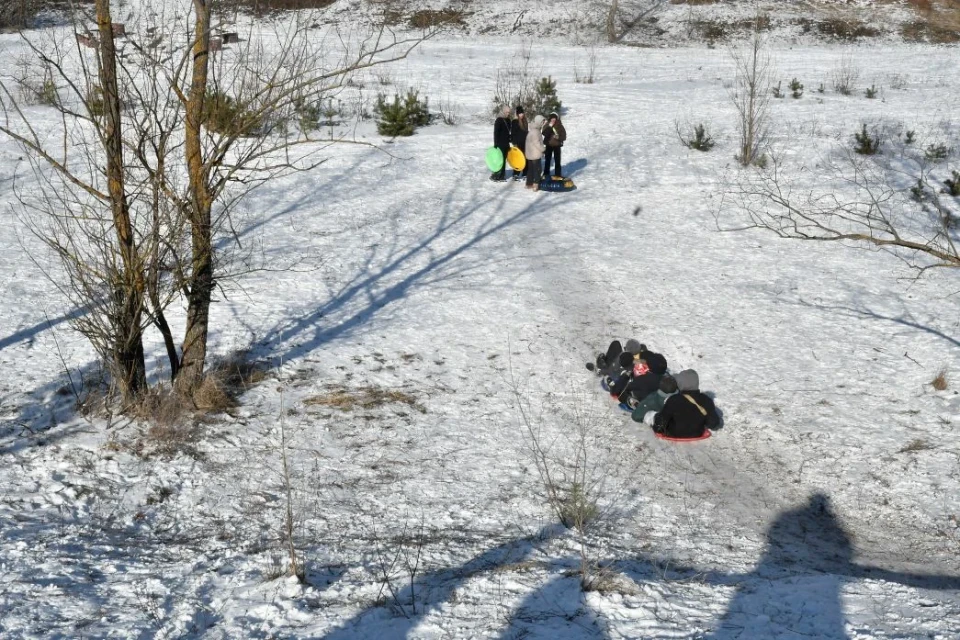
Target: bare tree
{"points": [[82, 193], [265, 87], [895, 206], [750, 95], [157, 147], [617, 26]]}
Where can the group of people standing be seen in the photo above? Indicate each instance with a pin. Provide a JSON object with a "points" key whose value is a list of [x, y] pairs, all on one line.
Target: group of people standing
{"points": [[540, 140], [672, 404]]}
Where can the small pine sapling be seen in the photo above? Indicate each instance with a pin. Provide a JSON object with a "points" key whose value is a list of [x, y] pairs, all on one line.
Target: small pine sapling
{"points": [[916, 191], [545, 97], [936, 152], [871, 92], [953, 184], [910, 137], [776, 91], [701, 140], [866, 144], [796, 89], [403, 116]]}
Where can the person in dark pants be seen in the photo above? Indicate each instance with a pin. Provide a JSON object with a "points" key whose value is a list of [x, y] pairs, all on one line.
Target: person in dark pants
{"points": [[501, 140], [518, 137], [554, 135], [533, 150]]}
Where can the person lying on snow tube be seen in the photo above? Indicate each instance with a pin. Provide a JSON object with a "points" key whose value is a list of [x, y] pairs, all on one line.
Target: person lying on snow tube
{"points": [[647, 409], [617, 359], [642, 379], [688, 413]]}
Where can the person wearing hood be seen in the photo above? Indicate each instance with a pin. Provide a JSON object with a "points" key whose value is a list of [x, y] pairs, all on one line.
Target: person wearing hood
{"points": [[617, 358], [533, 151], [519, 129], [690, 412], [501, 140], [646, 410], [554, 135], [642, 379]]}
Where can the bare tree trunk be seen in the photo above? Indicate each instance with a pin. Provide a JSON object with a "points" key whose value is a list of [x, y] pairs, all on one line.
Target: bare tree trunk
{"points": [[751, 95], [612, 21], [201, 280], [128, 298]]}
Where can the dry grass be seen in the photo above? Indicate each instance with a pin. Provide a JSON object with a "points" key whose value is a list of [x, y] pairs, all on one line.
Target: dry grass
{"points": [[940, 381], [227, 379], [426, 18], [917, 445], [363, 398]]}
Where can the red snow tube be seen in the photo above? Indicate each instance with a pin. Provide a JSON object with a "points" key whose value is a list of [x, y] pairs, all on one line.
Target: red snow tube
{"points": [[706, 434]]}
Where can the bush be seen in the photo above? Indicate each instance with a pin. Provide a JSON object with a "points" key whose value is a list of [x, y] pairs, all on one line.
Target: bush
{"points": [[576, 509], [95, 104], [226, 115], [545, 97], [403, 116], [308, 114], [426, 18], [953, 184], [916, 191], [940, 381], [936, 152], [701, 140], [796, 89], [844, 77], [866, 144]]}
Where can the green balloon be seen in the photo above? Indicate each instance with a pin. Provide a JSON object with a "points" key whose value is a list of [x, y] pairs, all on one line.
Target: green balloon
{"points": [[494, 159]]}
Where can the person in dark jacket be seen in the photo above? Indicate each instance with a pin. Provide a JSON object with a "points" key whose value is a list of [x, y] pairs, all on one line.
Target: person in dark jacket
{"points": [[646, 410], [690, 412], [617, 358], [518, 137], [554, 135], [501, 140], [643, 379]]}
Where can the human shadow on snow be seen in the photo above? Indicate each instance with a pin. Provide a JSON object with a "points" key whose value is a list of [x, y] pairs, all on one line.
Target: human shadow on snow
{"points": [[570, 169], [808, 558]]}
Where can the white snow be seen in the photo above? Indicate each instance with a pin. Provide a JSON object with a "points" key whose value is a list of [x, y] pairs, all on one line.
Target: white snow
{"points": [[814, 512]]}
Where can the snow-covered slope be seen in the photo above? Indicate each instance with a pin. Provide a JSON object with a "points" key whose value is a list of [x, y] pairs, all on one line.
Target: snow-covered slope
{"points": [[827, 506], [662, 23]]}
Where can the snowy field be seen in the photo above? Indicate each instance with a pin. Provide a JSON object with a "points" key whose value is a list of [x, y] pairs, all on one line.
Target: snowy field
{"points": [[826, 507]]}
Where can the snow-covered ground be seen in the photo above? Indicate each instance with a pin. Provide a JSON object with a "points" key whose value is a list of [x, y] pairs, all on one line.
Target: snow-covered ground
{"points": [[827, 506]]}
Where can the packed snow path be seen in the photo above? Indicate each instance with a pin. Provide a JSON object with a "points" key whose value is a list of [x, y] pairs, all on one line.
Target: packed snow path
{"points": [[812, 513]]}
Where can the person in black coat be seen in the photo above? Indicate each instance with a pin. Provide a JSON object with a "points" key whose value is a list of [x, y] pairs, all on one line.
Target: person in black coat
{"points": [[644, 378], [690, 412], [518, 137], [554, 135], [501, 140], [617, 360]]}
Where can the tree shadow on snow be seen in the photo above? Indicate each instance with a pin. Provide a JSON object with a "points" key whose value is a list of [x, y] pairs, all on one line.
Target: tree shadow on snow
{"points": [[30, 333], [390, 273], [413, 603]]}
